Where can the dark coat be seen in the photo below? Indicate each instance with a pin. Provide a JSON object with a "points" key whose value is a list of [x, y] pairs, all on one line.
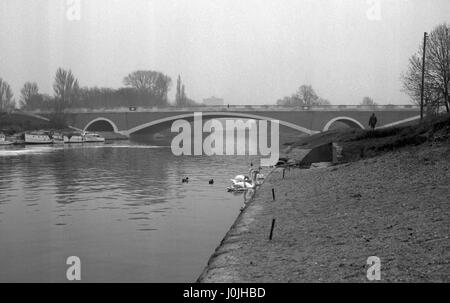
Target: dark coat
{"points": [[372, 121]]}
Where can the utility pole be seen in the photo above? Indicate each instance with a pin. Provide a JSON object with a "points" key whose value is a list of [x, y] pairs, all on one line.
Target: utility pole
{"points": [[423, 74]]}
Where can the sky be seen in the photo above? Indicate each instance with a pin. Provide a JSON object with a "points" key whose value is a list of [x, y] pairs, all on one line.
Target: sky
{"points": [[245, 51]]}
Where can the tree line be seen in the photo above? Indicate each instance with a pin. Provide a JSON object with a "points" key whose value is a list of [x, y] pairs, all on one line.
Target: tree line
{"points": [[304, 96], [142, 88]]}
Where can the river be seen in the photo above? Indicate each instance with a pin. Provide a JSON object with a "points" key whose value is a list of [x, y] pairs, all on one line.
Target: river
{"points": [[120, 207]]}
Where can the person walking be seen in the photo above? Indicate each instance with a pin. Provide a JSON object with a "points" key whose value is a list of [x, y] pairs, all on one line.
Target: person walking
{"points": [[373, 121]]}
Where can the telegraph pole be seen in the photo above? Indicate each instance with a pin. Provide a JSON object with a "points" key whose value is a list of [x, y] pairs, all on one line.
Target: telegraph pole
{"points": [[423, 74]]}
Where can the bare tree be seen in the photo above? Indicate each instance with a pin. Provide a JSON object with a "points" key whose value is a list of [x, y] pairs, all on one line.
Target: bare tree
{"points": [[412, 83], [6, 97], [178, 100], [29, 91], [368, 101], [322, 101], [305, 96], [66, 89], [153, 83], [437, 71], [183, 94]]}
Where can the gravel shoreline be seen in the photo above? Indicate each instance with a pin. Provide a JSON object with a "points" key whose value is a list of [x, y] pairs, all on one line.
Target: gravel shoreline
{"points": [[330, 220]]}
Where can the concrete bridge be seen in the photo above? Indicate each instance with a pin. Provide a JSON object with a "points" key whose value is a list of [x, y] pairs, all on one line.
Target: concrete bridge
{"points": [[310, 120]]}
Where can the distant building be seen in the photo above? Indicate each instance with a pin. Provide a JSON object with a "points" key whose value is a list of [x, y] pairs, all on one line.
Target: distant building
{"points": [[213, 101]]}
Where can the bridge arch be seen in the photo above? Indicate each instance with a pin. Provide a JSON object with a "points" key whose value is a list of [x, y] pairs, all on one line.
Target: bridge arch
{"points": [[101, 119], [347, 120], [207, 115]]}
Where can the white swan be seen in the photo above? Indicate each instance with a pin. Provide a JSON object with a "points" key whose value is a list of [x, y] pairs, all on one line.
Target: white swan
{"points": [[245, 183], [239, 178], [242, 184]]}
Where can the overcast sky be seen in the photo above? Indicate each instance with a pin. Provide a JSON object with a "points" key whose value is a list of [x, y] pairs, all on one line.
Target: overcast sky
{"points": [[245, 51]]}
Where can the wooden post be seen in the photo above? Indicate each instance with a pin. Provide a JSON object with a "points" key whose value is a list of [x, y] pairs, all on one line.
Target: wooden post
{"points": [[423, 74], [273, 194], [271, 229]]}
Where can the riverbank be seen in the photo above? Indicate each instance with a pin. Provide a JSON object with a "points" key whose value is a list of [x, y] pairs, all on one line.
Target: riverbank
{"points": [[393, 205]]}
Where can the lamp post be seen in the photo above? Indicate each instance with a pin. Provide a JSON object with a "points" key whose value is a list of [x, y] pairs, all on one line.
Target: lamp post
{"points": [[423, 74]]}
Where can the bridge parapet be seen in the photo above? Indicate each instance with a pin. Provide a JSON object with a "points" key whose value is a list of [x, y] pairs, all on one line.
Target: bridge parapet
{"points": [[304, 119], [365, 108]]}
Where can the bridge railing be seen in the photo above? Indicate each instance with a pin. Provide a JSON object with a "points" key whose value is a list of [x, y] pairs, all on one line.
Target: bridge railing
{"points": [[408, 107]]}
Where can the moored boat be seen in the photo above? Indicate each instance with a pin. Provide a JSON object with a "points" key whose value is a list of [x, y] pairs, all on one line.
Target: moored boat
{"points": [[58, 138], [17, 139], [38, 137], [74, 137], [93, 137], [3, 140]]}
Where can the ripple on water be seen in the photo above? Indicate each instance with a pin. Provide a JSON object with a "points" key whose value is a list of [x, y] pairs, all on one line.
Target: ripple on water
{"points": [[139, 218], [26, 151], [110, 194], [145, 202], [139, 213], [147, 229]]}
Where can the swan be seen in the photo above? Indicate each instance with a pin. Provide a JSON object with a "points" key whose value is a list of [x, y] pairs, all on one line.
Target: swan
{"points": [[239, 178], [244, 184]]}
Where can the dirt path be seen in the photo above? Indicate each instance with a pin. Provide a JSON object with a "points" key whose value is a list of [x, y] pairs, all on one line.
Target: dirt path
{"points": [[330, 220]]}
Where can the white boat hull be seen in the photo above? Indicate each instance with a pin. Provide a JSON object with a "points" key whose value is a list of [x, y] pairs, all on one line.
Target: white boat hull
{"points": [[73, 139], [37, 139], [89, 140], [83, 139], [93, 137]]}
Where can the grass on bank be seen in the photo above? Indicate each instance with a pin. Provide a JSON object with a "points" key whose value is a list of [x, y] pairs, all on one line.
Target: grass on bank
{"points": [[358, 143]]}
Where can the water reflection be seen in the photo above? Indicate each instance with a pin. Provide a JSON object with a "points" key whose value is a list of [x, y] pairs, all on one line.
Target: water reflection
{"points": [[120, 207]]}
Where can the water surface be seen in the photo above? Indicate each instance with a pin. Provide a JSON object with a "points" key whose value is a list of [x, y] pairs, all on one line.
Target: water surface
{"points": [[120, 207]]}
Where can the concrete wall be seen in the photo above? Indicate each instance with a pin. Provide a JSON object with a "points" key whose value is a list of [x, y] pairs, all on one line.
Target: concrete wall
{"points": [[322, 153]]}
